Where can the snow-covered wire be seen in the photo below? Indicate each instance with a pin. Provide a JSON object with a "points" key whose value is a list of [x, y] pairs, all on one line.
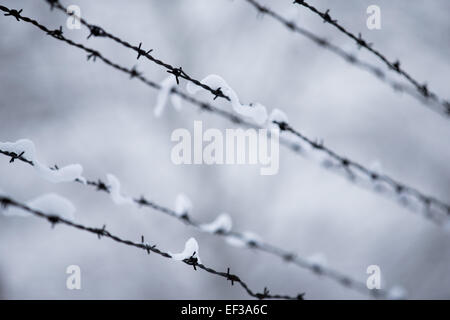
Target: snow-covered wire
{"points": [[419, 91], [222, 226], [422, 93], [54, 219], [392, 65], [51, 202], [435, 209], [97, 31]]}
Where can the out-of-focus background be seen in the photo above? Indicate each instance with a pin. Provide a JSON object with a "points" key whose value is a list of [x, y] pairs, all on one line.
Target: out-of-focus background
{"points": [[83, 112]]}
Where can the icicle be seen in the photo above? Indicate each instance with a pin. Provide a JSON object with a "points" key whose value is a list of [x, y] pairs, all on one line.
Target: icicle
{"points": [[166, 87]]}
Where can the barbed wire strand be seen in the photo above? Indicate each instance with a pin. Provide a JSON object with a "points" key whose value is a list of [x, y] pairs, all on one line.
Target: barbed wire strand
{"points": [[351, 169], [97, 31], [178, 72], [102, 232], [285, 255], [392, 65], [133, 73], [427, 98]]}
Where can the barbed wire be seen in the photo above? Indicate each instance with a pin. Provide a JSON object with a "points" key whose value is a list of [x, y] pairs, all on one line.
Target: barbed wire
{"points": [[398, 187], [433, 206], [102, 232], [178, 72], [133, 72], [185, 218], [58, 35], [354, 168], [97, 31], [422, 93], [392, 65]]}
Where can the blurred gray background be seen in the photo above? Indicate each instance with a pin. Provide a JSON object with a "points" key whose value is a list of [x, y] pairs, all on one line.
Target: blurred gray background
{"points": [[83, 112]]}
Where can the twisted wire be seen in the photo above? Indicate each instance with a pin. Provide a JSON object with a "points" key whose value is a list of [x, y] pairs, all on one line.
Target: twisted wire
{"points": [[399, 188], [178, 72], [422, 93], [392, 65], [285, 255], [435, 209], [102, 232], [97, 31]]}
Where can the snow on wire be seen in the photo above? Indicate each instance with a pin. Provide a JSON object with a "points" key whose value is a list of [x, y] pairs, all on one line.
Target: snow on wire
{"points": [[394, 66], [424, 94], [401, 190], [409, 197], [53, 219], [222, 227], [98, 31], [420, 92]]}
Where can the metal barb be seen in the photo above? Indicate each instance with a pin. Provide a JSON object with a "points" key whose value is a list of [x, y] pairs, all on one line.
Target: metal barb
{"points": [[14, 13]]}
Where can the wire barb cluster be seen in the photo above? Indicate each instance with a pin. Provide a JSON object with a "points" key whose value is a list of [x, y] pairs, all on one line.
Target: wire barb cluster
{"points": [[420, 92], [283, 254], [6, 202], [435, 208], [392, 65]]}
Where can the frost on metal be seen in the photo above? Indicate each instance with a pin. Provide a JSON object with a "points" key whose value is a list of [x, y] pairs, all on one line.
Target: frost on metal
{"points": [[257, 112], [27, 149]]}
